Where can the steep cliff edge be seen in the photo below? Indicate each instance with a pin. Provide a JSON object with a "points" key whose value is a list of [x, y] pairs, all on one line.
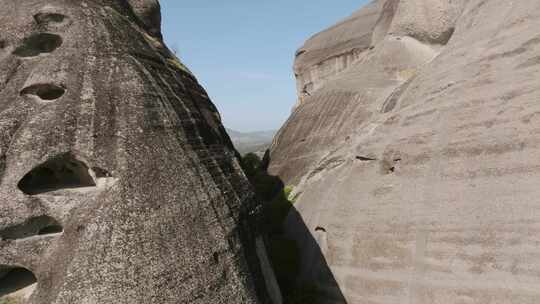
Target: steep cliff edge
{"points": [[416, 166], [118, 183], [330, 52]]}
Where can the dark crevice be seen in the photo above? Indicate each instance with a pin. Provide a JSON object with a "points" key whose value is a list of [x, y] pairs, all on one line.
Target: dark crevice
{"points": [[13, 279], [392, 100], [41, 225], [52, 229], [299, 266], [216, 258], [2, 44], [38, 44], [101, 173], [61, 172], [365, 158], [45, 91], [446, 36], [300, 52], [320, 229]]}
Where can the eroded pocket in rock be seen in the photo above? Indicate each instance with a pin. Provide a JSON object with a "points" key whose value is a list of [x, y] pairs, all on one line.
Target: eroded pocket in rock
{"points": [[16, 283], [38, 44], [45, 91], [66, 174], [62, 172], [40, 225], [49, 18]]}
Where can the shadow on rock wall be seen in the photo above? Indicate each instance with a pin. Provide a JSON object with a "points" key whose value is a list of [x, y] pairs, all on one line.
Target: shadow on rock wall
{"points": [[300, 267]]}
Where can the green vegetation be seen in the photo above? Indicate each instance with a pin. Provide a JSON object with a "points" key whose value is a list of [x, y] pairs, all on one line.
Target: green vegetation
{"points": [[270, 190], [265, 185], [283, 252], [277, 209], [174, 61]]}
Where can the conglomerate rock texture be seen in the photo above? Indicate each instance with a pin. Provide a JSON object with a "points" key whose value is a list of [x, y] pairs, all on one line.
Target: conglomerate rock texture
{"points": [[416, 162], [118, 181]]}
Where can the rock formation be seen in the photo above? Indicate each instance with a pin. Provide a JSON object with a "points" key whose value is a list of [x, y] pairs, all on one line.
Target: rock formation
{"points": [[118, 183], [414, 153]]}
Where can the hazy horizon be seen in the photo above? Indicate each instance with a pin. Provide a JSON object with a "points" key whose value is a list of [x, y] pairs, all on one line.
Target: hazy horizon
{"points": [[242, 51]]}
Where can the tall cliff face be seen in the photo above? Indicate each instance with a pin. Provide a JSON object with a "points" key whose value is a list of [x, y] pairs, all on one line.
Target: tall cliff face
{"points": [[118, 181], [416, 165], [333, 50]]}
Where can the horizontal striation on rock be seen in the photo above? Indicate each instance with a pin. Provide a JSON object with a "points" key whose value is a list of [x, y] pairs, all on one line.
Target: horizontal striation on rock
{"points": [[431, 195], [105, 134]]}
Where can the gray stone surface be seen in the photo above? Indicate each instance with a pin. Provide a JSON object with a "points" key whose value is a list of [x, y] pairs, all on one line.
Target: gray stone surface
{"points": [[118, 183], [420, 160]]}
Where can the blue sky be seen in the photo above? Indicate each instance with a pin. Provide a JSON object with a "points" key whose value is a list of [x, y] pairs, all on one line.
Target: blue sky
{"points": [[242, 51]]}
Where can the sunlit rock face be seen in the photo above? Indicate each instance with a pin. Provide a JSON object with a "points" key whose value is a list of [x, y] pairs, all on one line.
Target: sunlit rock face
{"points": [[118, 183], [329, 52], [420, 160]]}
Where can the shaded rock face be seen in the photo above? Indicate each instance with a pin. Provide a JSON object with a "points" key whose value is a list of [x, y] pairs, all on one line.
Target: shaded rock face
{"points": [[148, 12], [118, 181], [420, 159]]}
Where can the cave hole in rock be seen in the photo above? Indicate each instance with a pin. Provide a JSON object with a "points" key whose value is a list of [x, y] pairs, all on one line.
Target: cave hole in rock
{"points": [[40, 225], [2, 44], [52, 229], [15, 279], [62, 172], [215, 257], [38, 44], [47, 18], [45, 91], [319, 228]]}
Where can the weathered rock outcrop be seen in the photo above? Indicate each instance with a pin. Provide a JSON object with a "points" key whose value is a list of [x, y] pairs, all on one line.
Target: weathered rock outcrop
{"points": [[333, 50], [118, 181], [416, 166]]}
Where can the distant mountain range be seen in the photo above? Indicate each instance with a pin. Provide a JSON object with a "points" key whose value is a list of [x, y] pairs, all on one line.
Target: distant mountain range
{"points": [[247, 142]]}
